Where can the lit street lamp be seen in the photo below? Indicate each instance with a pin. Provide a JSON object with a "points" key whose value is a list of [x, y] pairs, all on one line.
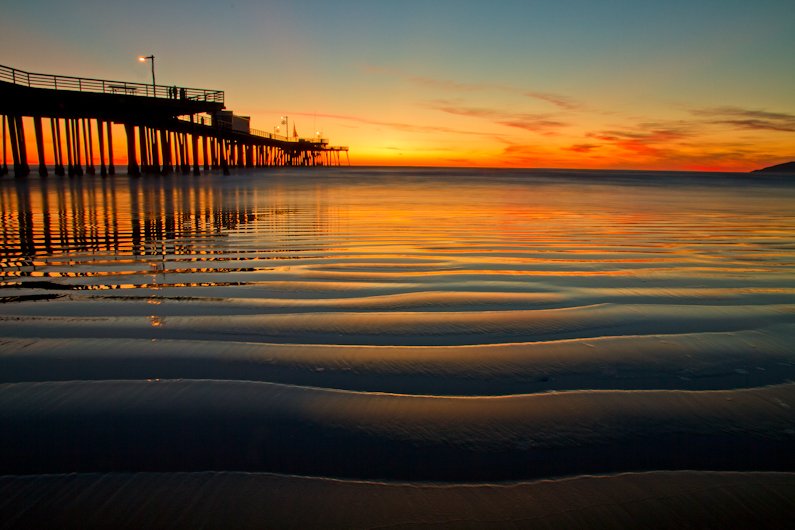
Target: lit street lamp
{"points": [[151, 58]]}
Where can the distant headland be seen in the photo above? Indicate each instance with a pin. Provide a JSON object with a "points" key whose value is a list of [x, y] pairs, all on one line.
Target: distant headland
{"points": [[786, 167]]}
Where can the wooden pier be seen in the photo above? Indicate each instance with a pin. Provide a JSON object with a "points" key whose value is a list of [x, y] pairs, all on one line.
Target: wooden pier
{"points": [[168, 129]]}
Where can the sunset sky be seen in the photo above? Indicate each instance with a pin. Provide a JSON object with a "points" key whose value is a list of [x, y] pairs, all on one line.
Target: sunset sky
{"points": [[681, 84]]}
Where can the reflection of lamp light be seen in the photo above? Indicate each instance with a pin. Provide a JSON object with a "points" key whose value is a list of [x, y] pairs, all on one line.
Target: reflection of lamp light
{"points": [[143, 60]]}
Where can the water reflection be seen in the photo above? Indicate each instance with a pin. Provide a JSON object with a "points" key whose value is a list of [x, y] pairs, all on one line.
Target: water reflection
{"points": [[397, 234], [132, 217]]}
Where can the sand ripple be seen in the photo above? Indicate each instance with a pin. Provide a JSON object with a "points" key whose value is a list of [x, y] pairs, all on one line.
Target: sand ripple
{"points": [[468, 326], [172, 425]]}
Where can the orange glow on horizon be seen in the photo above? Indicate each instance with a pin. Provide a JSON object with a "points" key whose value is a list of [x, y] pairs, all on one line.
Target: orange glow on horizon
{"points": [[647, 153]]}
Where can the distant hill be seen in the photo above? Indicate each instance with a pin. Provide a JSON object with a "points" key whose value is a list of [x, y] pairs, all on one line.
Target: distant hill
{"points": [[786, 167]]}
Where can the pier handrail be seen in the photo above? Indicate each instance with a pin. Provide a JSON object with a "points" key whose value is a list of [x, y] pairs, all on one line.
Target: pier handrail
{"points": [[274, 136], [263, 134], [206, 120], [104, 86]]}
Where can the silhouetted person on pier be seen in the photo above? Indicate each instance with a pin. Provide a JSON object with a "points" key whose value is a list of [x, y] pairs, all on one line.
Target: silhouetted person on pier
{"points": [[183, 94]]}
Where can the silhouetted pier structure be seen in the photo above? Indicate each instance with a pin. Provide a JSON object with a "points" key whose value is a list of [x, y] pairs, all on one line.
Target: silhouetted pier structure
{"points": [[168, 129]]}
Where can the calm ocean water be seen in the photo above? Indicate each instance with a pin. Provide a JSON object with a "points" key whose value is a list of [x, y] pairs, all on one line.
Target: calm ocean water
{"points": [[398, 324]]}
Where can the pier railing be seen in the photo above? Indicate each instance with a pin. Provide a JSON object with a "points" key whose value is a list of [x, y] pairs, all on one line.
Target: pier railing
{"points": [[207, 119], [104, 86], [274, 136]]}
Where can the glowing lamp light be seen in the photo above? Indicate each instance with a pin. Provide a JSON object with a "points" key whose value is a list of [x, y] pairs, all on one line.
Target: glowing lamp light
{"points": [[143, 59]]}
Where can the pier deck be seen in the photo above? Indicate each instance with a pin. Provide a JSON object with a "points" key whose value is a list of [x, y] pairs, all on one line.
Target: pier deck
{"points": [[162, 124]]}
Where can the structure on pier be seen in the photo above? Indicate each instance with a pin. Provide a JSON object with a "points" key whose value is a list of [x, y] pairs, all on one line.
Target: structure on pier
{"points": [[168, 128]]}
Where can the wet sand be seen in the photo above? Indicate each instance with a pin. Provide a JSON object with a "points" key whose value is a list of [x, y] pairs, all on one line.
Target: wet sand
{"points": [[663, 499], [367, 348], [193, 425]]}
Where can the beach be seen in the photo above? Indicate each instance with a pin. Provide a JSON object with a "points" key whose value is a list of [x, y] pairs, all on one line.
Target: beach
{"points": [[398, 347]]}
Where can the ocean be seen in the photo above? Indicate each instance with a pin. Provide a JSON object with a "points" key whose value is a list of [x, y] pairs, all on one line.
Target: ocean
{"points": [[358, 347]]}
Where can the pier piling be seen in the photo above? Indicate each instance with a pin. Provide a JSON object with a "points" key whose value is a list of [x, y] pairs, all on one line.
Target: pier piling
{"points": [[40, 145], [132, 163], [4, 166], [89, 140], [103, 170], [111, 166]]}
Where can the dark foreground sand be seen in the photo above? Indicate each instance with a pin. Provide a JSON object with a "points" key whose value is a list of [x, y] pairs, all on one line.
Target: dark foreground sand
{"points": [[193, 425], [680, 499]]}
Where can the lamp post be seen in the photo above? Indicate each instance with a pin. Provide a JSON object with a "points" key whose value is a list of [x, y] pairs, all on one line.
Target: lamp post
{"points": [[150, 58], [286, 122]]}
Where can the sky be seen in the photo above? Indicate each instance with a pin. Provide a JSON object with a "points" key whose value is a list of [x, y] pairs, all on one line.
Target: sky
{"points": [[676, 85]]}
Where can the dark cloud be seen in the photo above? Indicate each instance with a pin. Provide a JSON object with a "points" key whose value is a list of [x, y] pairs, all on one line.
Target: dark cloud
{"points": [[538, 123], [533, 124], [652, 142], [748, 119], [582, 148]]}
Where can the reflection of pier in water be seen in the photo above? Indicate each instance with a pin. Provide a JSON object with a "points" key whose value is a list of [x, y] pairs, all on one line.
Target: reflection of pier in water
{"points": [[168, 129], [135, 218]]}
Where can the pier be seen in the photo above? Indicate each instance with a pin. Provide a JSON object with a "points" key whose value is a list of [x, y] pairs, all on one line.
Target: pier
{"points": [[168, 129]]}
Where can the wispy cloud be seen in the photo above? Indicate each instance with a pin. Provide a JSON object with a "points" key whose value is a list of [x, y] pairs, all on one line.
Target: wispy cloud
{"points": [[538, 123], [582, 148], [748, 119], [560, 101], [646, 141], [674, 145]]}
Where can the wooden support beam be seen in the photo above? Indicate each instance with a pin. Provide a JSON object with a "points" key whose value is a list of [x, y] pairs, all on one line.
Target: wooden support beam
{"points": [[204, 152], [185, 153], [16, 130], [55, 125], [39, 130], [4, 165], [76, 148], [173, 150], [142, 149], [12, 138], [88, 138], [70, 168], [155, 149], [224, 164], [214, 153], [111, 166], [165, 148], [133, 169], [103, 170], [23, 151], [195, 142]]}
